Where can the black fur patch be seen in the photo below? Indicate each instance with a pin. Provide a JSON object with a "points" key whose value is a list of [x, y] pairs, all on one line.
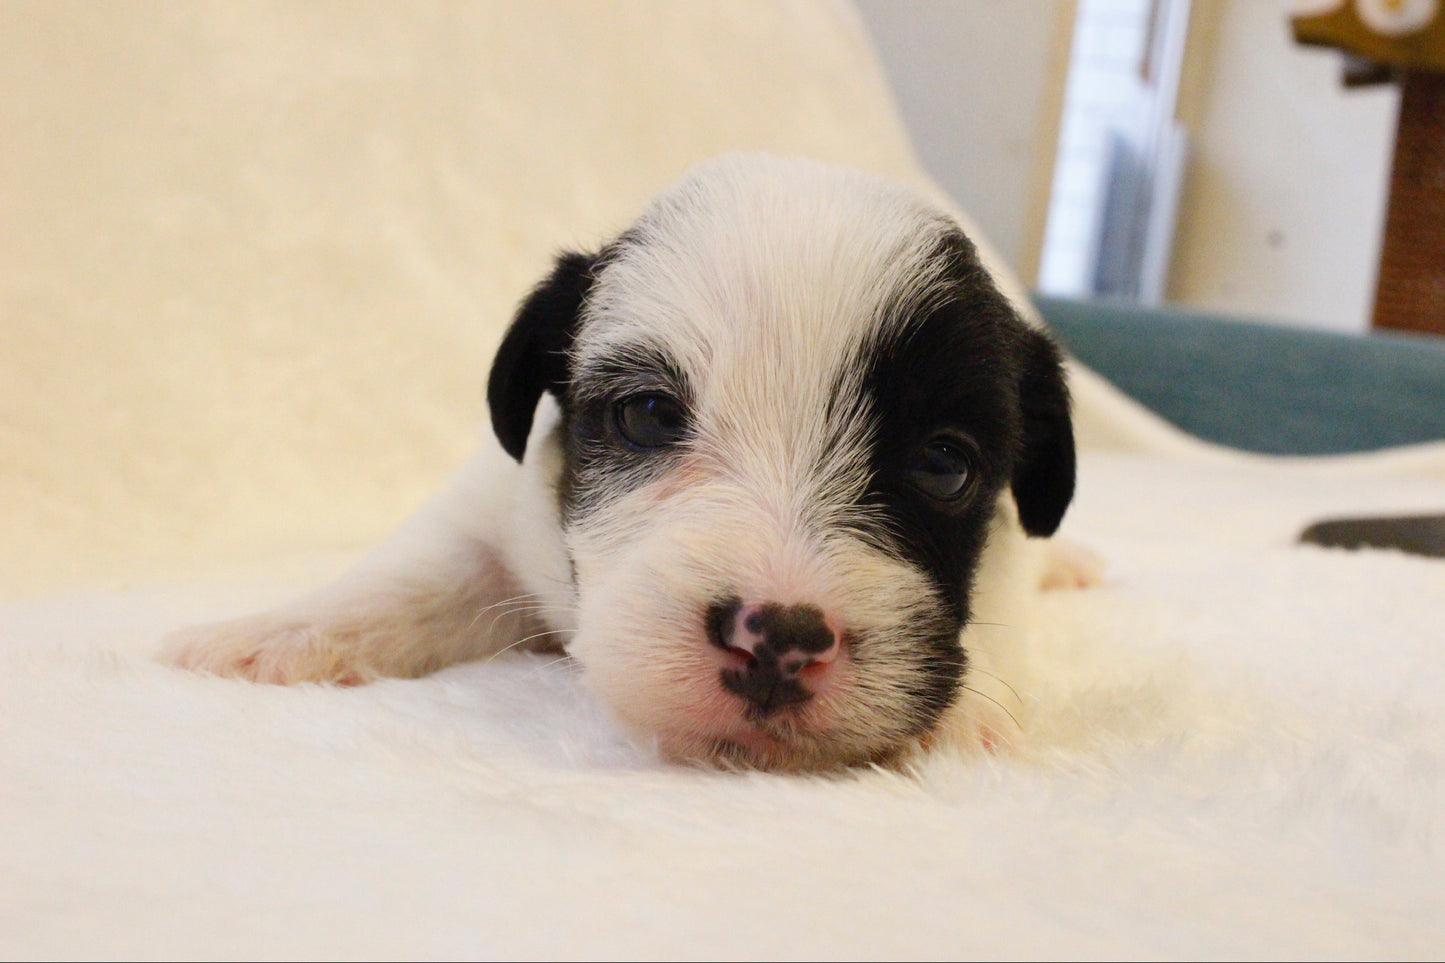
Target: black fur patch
{"points": [[532, 358], [966, 367]]}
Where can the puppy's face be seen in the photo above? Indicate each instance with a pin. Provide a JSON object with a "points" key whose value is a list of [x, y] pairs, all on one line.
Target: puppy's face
{"points": [[791, 402]]}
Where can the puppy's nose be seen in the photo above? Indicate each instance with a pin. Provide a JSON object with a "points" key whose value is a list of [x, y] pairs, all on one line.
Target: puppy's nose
{"points": [[772, 644]]}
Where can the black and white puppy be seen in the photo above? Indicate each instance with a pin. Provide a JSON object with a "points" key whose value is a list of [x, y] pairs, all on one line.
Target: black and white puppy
{"points": [[779, 444]]}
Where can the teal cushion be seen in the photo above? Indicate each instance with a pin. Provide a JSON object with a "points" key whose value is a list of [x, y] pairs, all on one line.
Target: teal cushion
{"points": [[1260, 386]]}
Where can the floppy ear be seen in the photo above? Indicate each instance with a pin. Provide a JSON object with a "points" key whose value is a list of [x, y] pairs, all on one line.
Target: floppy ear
{"points": [[533, 356], [1043, 477]]}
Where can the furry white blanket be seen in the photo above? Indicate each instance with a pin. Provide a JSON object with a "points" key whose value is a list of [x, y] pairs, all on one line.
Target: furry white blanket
{"points": [[1237, 750]]}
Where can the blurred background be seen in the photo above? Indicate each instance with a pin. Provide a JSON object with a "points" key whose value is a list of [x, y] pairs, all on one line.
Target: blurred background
{"points": [[1181, 152]]}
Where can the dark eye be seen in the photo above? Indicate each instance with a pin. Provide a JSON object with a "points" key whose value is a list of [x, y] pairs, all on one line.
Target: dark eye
{"points": [[940, 469], [650, 420]]}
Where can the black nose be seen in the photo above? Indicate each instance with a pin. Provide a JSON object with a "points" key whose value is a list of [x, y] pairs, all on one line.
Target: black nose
{"points": [[771, 644]]}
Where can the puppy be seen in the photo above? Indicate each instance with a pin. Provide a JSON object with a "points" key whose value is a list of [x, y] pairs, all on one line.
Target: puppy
{"points": [[773, 455]]}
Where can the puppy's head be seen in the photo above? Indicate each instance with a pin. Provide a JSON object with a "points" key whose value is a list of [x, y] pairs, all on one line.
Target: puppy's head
{"points": [[792, 402]]}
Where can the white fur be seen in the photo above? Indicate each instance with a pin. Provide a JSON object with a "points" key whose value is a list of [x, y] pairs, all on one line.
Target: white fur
{"points": [[764, 281]]}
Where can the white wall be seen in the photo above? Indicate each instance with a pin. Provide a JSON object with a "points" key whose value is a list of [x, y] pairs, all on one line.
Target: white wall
{"points": [[1284, 196], [1284, 193], [980, 85]]}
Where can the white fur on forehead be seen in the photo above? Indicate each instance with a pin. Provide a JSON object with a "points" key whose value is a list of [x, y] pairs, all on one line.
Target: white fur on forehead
{"points": [[788, 251]]}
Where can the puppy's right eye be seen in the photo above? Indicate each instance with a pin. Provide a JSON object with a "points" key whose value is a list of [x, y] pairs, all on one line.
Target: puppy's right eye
{"points": [[650, 420]]}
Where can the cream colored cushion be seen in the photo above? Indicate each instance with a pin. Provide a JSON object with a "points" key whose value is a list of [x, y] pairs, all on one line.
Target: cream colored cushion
{"points": [[254, 257]]}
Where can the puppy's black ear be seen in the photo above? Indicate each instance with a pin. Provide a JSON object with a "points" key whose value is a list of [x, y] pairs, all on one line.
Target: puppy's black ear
{"points": [[533, 356], [1043, 477]]}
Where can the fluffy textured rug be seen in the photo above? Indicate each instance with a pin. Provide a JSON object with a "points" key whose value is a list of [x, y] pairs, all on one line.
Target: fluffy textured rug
{"points": [[1237, 750]]}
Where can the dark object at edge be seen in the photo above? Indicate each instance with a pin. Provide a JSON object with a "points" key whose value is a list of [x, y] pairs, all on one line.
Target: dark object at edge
{"points": [[1416, 534]]}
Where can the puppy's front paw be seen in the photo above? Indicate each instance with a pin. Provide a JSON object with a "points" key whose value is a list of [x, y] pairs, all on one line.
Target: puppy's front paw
{"points": [[266, 649], [1070, 565]]}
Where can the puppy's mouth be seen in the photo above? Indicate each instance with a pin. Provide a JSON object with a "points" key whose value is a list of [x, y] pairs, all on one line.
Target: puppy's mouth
{"points": [[772, 745], [783, 717], [753, 714], [778, 744]]}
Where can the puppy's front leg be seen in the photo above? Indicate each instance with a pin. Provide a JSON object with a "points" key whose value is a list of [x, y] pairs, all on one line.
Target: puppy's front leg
{"points": [[440, 591]]}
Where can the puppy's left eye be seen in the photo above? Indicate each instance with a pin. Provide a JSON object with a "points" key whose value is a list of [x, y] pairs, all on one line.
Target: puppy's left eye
{"points": [[650, 420], [941, 469]]}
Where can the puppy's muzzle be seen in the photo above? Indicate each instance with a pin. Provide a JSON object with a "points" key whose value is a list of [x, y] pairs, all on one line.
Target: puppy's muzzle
{"points": [[777, 655]]}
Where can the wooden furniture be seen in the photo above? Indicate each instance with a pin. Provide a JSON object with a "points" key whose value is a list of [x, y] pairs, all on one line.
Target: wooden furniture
{"points": [[1401, 42], [1410, 294]]}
